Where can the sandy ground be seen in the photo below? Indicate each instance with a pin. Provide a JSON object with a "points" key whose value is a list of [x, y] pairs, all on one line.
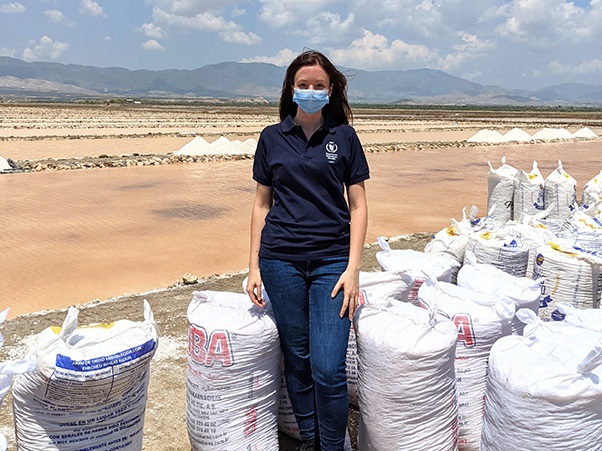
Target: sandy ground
{"points": [[410, 191]]}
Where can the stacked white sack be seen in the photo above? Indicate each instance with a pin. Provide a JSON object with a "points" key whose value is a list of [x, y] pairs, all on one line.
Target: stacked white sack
{"points": [[418, 265], [495, 283], [528, 192], [500, 192], [233, 373], [452, 240], [8, 370], [542, 396], [583, 232], [383, 287], [591, 197], [407, 390], [481, 320], [586, 318], [570, 276], [560, 194], [89, 389], [500, 249]]}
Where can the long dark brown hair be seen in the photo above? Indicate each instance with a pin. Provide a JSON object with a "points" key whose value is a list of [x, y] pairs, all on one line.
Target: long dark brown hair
{"points": [[338, 106]]}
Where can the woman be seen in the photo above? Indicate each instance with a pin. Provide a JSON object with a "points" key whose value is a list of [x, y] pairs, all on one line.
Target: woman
{"points": [[307, 241]]}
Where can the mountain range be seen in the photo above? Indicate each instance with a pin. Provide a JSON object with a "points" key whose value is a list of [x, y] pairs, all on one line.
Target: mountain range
{"points": [[263, 82]]}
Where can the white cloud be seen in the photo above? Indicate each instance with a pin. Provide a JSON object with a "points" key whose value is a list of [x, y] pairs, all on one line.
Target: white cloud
{"points": [[586, 67], [203, 21], [470, 48], [192, 7], [329, 28], [7, 52], [57, 17], [238, 37], [91, 8], [45, 49], [284, 13], [12, 8], [282, 58], [153, 31], [373, 51], [151, 44]]}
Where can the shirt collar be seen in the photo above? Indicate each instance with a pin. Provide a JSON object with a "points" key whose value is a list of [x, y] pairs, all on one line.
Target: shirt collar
{"points": [[288, 124]]}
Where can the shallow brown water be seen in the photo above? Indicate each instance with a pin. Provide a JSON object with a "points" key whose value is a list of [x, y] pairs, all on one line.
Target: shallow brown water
{"points": [[75, 236]]}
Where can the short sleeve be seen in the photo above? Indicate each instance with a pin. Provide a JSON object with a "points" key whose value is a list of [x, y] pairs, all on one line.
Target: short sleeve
{"points": [[357, 170], [261, 171]]}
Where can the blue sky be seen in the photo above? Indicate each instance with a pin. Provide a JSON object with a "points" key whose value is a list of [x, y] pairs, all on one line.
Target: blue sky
{"points": [[526, 44]]}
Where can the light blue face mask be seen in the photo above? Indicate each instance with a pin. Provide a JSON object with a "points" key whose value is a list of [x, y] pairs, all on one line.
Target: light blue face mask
{"points": [[310, 100]]}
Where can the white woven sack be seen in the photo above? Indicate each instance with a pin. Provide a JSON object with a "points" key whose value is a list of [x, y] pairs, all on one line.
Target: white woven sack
{"points": [[505, 251], [560, 192], [570, 276], [493, 282], [481, 320], [407, 390], [586, 318], [591, 198], [89, 389], [500, 191], [418, 265], [528, 192], [233, 373], [542, 396]]}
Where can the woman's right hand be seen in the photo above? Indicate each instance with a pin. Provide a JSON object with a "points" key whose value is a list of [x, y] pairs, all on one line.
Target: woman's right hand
{"points": [[254, 288]]}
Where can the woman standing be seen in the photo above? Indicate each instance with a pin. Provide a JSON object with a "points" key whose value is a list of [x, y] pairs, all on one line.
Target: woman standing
{"points": [[308, 226]]}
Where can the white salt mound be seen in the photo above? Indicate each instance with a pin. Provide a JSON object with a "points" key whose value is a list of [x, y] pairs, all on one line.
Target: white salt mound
{"points": [[221, 146], [517, 134], [4, 166], [553, 133], [585, 133], [486, 136]]}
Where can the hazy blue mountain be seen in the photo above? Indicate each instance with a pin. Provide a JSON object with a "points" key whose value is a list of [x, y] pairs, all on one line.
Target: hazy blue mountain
{"points": [[230, 80]]}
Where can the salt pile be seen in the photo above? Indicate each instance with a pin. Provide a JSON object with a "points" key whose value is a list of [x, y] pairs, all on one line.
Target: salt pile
{"points": [[553, 133], [4, 166], [221, 146], [517, 134], [486, 136], [585, 133]]}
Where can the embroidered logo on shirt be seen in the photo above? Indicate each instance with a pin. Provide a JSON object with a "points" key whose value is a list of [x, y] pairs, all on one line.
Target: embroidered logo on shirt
{"points": [[331, 151]]}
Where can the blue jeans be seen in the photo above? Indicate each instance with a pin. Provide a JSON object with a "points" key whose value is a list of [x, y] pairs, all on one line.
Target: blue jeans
{"points": [[314, 343]]}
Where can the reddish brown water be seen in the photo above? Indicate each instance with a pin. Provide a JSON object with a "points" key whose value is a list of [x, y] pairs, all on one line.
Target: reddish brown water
{"points": [[75, 236]]}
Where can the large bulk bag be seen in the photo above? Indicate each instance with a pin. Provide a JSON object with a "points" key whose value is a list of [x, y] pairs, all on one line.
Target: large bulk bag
{"points": [[591, 198], [570, 276], [407, 390], [528, 192], [89, 389], [233, 373], [481, 320], [560, 193], [583, 232], [493, 282], [418, 265], [500, 191], [542, 396], [505, 251]]}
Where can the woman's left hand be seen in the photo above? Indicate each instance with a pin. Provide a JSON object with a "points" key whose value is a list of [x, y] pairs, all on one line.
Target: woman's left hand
{"points": [[349, 282]]}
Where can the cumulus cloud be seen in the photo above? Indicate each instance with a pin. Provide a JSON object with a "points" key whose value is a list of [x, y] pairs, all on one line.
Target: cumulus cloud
{"points": [[151, 44], [192, 7], [282, 58], [328, 28], [470, 48], [374, 51], [153, 31], [91, 8], [12, 8], [238, 37], [586, 67], [7, 52], [57, 17], [284, 13], [45, 49]]}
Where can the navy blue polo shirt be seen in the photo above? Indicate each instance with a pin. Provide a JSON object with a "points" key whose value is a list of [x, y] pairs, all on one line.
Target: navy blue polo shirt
{"points": [[309, 218]]}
